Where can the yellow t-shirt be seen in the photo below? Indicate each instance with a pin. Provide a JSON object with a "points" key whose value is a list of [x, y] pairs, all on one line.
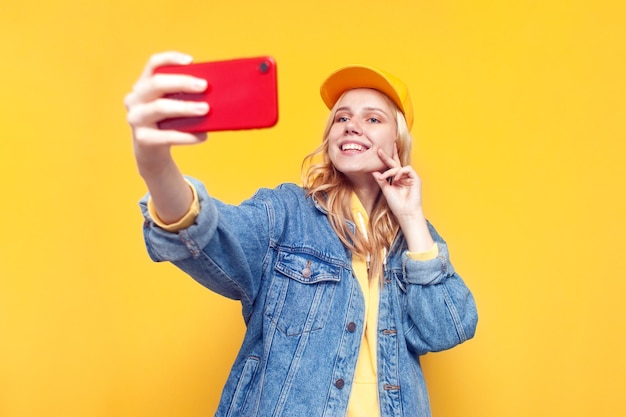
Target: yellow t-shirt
{"points": [[364, 395]]}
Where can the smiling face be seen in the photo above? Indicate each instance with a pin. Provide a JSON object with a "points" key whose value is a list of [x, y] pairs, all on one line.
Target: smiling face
{"points": [[363, 123]]}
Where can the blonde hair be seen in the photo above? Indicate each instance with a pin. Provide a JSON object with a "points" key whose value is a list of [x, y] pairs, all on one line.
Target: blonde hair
{"points": [[332, 190]]}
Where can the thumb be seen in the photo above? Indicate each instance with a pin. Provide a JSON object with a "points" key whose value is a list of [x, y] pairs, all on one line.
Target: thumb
{"points": [[381, 179]]}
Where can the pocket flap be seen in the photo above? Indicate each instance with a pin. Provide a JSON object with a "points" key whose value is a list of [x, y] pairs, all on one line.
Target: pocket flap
{"points": [[306, 268]]}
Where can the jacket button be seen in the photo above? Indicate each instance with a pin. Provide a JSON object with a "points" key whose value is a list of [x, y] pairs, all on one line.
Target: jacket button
{"points": [[340, 383], [351, 327], [307, 271]]}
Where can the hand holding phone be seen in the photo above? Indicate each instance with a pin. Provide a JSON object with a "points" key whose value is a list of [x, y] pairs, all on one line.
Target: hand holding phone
{"points": [[241, 93]]}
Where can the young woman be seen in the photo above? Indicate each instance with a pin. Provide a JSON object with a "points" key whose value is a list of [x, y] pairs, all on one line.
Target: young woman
{"points": [[343, 282]]}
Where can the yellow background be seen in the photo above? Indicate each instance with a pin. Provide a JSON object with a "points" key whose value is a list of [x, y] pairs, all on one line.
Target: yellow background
{"points": [[520, 130]]}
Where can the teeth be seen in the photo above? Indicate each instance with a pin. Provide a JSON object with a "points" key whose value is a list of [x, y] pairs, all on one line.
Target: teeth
{"points": [[352, 147]]}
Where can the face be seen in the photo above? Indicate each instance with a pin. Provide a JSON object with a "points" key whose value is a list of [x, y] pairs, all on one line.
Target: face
{"points": [[363, 123]]}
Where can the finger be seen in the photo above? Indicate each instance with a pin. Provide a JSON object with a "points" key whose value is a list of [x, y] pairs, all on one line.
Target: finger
{"points": [[405, 173], [396, 156], [386, 177], [149, 136], [165, 58], [387, 160], [381, 179], [147, 114], [147, 89]]}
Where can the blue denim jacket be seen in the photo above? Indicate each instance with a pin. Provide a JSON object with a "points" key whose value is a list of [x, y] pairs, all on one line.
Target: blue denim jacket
{"points": [[304, 309]]}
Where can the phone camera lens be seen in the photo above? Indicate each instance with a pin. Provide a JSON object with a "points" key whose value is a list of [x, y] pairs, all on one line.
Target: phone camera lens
{"points": [[264, 67]]}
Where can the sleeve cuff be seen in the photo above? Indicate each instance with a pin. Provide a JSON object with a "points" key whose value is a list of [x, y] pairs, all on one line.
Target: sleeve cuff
{"points": [[187, 220], [432, 253]]}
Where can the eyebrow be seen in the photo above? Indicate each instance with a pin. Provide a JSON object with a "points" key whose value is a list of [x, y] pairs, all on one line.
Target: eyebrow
{"points": [[346, 108]]}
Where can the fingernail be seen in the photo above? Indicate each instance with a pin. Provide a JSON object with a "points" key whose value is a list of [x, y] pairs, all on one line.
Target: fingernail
{"points": [[185, 59], [201, 107], [200, 84]]}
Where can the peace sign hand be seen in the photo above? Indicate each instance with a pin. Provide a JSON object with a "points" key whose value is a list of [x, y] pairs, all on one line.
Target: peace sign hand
{"points": [[402, 188], [400, 185]]}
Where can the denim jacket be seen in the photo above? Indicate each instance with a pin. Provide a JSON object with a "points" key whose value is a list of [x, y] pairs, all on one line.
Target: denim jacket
{"points": [[304, 310]]}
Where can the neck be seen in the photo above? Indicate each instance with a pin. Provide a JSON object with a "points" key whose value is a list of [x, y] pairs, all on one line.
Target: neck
{"points": [[367, 194]]}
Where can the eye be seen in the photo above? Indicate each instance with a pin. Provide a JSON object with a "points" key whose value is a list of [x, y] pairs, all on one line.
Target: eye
{"points": [[341, 119], [374, 120]]}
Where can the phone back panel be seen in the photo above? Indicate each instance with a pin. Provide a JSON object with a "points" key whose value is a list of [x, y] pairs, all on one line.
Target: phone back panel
{"points": [[242, 94]]}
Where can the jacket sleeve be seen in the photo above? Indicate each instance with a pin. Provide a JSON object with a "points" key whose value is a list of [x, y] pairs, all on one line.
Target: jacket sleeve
{"points": [[224, 249], [440, 311]]}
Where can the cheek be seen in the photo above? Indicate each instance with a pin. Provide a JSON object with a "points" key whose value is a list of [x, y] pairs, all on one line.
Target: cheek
{"points": [[335, 131], [332, 152], [388, 145]]}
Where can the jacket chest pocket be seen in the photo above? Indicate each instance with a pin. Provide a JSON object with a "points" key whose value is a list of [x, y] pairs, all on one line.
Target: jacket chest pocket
{"points": [[301, 293]]}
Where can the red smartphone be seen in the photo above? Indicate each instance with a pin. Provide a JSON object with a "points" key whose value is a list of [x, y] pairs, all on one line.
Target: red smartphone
{"points": [[242, 94]]}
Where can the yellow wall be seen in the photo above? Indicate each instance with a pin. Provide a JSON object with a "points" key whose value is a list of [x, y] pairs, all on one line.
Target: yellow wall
{"points": [[521, 130]]}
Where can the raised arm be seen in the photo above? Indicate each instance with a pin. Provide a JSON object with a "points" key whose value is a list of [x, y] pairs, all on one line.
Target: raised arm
{"points": [[171, 195]]}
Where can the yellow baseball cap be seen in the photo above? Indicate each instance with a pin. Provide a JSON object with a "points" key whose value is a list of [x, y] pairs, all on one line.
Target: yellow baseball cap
{"points": [[361, 76]]}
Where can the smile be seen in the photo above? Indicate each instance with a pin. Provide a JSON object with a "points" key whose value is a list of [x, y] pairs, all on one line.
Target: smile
{"points": [[351, 146]]}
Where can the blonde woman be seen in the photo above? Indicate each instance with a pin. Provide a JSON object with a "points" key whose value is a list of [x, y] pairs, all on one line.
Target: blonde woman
{"points": [[343, 282]]}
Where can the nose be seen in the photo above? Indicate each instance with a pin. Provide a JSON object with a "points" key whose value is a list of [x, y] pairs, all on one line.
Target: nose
{"points": [[353, 127]]}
